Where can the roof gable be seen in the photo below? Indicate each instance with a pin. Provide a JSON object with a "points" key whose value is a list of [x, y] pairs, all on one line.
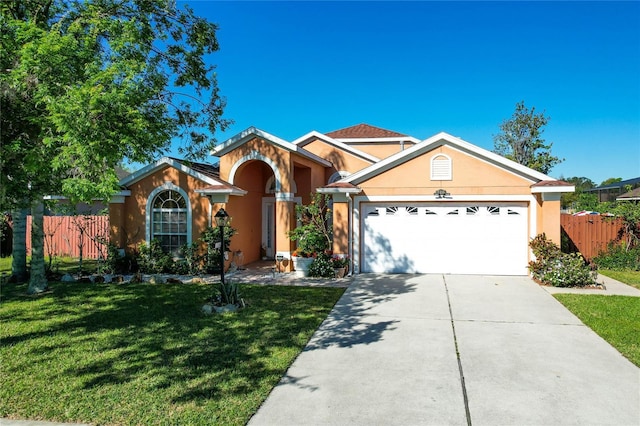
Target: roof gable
{"points": [[203, 172], [252, 132], [456, 143], [303, 140]]}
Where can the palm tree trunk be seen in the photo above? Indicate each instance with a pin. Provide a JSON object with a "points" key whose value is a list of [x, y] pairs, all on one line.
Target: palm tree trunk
{"points": [[19, 241], [38, 281]]}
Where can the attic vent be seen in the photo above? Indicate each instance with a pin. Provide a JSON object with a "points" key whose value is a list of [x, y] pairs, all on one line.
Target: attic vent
{"points": [[440, 167]]}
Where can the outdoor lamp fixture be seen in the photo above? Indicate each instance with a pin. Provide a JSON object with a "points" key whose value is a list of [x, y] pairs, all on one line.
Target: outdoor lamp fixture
{"points": [[222, 220], [441, 193]]}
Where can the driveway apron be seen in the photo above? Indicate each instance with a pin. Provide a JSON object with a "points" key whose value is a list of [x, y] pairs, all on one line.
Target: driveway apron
{"points": [[434, 349]]}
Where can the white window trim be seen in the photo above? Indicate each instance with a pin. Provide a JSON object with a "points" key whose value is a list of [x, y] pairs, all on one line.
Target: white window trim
{"points": [[148, 213], [448, 175]]}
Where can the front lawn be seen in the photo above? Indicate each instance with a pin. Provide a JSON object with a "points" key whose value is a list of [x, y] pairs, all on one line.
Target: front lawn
{"points": [[629, 277], [145, 354], [615, 318], [60, 264]]}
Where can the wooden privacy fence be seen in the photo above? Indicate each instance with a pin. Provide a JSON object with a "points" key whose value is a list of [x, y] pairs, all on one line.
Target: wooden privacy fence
{"points": [[64, 235], [590, 234]]}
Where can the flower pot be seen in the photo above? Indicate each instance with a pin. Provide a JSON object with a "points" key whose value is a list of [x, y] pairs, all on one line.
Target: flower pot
{"points": [[340, 272], [301, 266]]}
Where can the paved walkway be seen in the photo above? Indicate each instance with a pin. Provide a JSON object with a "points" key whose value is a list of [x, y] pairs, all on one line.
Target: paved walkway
{"points": [[387, 354]]}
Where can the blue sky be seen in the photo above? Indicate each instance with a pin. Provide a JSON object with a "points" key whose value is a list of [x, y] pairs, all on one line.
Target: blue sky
{"points": [[424, 67]]}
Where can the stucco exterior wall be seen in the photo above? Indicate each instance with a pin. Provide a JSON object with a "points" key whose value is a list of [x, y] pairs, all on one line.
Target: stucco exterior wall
{"points": [[548, 217], [381, 149], [470, 176], [341, 160], [340, 228], [133, 230]]}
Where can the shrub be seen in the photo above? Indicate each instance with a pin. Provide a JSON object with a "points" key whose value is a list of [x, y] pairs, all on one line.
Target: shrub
{"points": [[617, 257], [313, 235], [153, 260], [552, 267], [322, 266], [228, 294], [191, 261], [211, 237]]}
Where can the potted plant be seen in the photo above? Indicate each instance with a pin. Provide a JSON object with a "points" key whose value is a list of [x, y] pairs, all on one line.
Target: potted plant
{"points": [[313, 235], [340, 265]]}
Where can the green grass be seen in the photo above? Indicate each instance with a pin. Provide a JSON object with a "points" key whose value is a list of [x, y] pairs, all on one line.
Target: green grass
{"points": [[631, 278], [60, 264], [615, 318], [144, 354]]}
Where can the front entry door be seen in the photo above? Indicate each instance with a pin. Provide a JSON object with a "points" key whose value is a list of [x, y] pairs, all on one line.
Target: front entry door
{"points": [[269, 227]]}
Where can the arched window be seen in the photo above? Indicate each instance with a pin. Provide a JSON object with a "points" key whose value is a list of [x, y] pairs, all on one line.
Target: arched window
{"points": [[169, 220]]}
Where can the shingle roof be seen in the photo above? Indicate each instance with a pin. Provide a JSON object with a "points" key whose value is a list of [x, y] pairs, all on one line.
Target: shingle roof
{"points": [[634, 194], [363, 131], [551, 183], [206, 169]]}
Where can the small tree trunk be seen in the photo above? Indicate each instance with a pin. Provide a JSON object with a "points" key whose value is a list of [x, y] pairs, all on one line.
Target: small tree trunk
{"points": [[38, 281], [19, 260]]}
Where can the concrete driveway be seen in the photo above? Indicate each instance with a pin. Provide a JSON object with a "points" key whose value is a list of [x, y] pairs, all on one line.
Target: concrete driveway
{"points": [[433, 349]]}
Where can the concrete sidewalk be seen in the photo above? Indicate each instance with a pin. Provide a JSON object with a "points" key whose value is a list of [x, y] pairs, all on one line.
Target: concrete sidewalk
{"points": [[387, 354]]}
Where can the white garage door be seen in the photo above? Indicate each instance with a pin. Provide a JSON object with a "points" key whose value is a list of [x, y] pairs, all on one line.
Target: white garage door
{"points": [[470, 238]]}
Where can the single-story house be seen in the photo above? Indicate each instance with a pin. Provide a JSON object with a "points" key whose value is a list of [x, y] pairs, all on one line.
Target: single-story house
{"points": [[400, 204], [612, 191]]}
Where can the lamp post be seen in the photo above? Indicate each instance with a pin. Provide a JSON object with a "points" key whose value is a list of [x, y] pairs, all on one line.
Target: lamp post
{"points": [[222, 220]]}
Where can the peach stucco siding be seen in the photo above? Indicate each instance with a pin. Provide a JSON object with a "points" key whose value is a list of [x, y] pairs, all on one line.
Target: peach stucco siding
{"points": [[470, 176], [263, 213], [382, 149], [132, 214]]}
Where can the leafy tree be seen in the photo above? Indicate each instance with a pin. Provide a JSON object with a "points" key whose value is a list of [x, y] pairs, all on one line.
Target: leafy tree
{"points": [[570, 199], [521, 140], [87, 84], [610, 181]]}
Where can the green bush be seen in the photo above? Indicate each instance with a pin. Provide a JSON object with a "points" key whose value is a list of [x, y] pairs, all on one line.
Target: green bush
{"points": [[322, 266], [153, 260], [552, 267], [617, 257], [211, 257]]}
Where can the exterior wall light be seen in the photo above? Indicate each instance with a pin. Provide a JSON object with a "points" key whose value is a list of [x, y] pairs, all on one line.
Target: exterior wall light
{"points": [[441, 193]]}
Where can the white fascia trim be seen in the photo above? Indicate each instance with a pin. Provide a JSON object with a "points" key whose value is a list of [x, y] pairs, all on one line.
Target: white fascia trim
{"points": [[245, 136], [339, 190], [431, 198], [251, 132], [551, 189], [226, 191], [380, 140], [335, 142], [151, 168], [493, 157], [435, 141]]}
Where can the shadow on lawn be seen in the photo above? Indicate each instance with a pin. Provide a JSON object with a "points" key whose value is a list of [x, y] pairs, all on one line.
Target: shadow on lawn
{"points": [[157, 337], [154, 337]]}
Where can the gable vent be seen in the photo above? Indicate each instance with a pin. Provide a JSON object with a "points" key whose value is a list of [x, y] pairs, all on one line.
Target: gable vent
{"points": [[440, 167]]}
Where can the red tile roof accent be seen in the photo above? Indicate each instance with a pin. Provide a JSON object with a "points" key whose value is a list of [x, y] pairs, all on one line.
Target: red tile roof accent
{"points": [[363, 131], [551, 183]]}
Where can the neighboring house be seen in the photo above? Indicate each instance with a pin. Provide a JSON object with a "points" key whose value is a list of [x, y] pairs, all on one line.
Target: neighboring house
{"points": [[440, 205], [633, 195], [614, 190]]}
